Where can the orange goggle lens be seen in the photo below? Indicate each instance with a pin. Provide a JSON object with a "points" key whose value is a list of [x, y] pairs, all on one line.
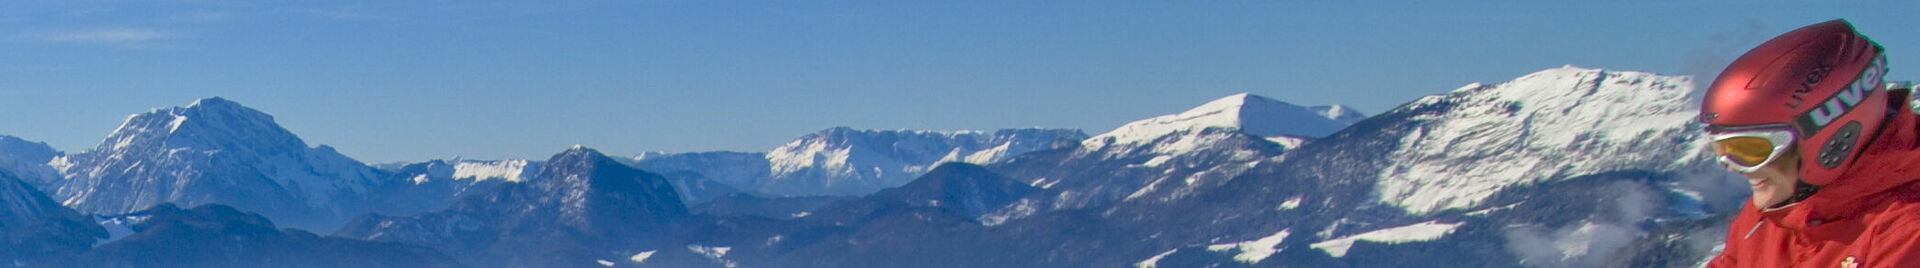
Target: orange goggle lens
{"points": [[1747, 151]]}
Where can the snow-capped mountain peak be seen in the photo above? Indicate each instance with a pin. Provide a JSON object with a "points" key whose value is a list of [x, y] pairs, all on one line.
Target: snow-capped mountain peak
{"points": [[215, 150], [1560, 122], [211, 123], [1246, 112]]}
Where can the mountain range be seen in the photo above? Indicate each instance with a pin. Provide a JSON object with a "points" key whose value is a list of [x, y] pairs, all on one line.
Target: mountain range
{"points": [[1563, 167], [843, 161]]}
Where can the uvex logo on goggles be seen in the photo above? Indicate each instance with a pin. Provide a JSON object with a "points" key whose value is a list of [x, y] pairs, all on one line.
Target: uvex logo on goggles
{"points": [[1841, 103]]}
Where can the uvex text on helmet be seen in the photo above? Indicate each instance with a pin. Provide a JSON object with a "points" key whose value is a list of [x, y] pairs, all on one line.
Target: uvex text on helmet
{"points": [[1822, 80]]}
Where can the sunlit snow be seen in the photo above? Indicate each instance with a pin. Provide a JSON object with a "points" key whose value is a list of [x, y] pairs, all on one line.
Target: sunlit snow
{"points": [[641, 257], [1275, 118], [1256, 250], [1154, 262], [509, 170], [1425, 231], [1291, 203], [1560, 123]]}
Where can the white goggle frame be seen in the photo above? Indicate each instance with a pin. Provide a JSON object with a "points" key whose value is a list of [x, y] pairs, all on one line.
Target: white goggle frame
{"points": [[1781, 136]]}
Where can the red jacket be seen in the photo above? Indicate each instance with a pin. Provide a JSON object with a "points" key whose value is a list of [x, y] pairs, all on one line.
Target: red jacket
{"points": [[1870, 217]]}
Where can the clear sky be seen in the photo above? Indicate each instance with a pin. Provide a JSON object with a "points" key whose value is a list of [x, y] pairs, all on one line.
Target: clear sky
{"points": [[488, 80]]}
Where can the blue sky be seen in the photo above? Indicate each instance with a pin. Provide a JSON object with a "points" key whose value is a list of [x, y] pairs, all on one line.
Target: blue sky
{"points": [[434, 79]]}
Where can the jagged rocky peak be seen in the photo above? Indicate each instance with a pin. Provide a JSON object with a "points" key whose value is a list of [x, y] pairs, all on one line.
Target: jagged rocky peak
{"points": [[1253, 114], [1556, 123]]}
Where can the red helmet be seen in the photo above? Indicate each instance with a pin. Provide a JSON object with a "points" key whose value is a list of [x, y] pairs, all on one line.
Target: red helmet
{"points": [[1821, 81]]}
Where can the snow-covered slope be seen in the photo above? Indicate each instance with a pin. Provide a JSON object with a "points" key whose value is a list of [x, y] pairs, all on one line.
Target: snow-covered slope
{"points": [[1562, 122], [27, 160], [508, 170], [846, 161], [460, 169], [1253, 114], [216, 151], [469, 170], [1170, 156]]}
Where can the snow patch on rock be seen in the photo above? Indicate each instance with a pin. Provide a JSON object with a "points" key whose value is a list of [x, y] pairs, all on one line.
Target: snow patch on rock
{"points": [[509, 170], [1154, 262], [1256, 250], [642, 256], [1425, 231]]}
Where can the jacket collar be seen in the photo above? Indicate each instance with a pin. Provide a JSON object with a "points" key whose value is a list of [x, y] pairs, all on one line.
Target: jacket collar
{"points": [[1890, 161]]}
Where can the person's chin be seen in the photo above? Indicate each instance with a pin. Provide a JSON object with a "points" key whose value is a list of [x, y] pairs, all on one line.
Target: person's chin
{"points": [[1763, 190]]}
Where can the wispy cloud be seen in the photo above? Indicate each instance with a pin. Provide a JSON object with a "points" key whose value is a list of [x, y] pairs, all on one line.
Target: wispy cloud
{"points": [[113, 36], [346, 13], [204, 16]]}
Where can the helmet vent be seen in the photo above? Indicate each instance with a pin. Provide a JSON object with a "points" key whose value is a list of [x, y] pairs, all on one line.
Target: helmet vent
{"points": [[1837, 148]]}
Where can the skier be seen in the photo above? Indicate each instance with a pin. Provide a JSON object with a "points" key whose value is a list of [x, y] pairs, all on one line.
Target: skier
{"points": [[1831, 157]]}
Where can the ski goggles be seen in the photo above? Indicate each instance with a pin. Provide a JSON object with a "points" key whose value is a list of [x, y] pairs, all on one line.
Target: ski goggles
{"points": [[1747, 149]]}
